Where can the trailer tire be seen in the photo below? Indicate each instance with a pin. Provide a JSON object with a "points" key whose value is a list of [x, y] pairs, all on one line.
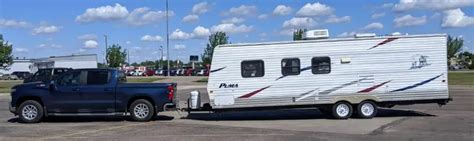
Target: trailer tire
{"points": [[141, 110], [366, 109], [342, 110]]}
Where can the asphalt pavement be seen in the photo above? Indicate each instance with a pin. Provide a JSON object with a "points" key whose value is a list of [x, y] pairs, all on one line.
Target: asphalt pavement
{"points": [[454, 121]]}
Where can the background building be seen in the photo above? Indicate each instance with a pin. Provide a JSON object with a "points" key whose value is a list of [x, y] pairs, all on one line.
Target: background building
{"points": [[72, 61]]}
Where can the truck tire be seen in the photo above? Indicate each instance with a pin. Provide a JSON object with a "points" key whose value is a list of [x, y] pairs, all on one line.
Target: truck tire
{"points": [[30, 111], [366, 109], [141, 110], [341, 110]]}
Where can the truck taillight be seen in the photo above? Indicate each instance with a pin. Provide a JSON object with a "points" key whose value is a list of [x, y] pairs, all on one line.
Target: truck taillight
{"points": [[170, 92]]}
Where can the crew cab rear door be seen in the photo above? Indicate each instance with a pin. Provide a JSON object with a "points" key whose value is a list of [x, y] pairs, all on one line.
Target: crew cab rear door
{"points": [[98, 92]]}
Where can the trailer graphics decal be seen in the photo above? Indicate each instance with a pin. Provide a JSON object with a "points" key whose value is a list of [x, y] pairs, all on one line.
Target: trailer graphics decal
{"points": [[419, 61], [219, 69], [225, 85], [303, 69], [254, 92], [373, 87], [307, 94], [417, 84], [328, 91], [388, 40]]}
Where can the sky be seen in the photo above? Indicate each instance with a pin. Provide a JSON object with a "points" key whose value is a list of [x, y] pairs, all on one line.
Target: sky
{"points": [[42, 28]]}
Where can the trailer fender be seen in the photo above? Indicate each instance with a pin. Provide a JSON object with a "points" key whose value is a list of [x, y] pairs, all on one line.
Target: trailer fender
{"points": [[354, 99]]}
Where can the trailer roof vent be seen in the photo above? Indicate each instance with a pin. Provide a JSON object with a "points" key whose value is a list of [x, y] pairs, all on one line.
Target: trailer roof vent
{"points": [[316, 34], [364, 35]]}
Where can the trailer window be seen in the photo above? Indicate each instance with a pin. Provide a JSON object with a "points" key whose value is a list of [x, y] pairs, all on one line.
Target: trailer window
{"points": [[290, 66], [321, 65], [254, 68]]}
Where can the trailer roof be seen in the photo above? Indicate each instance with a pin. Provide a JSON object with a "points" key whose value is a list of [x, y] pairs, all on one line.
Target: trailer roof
{"points": [[331, 40]]}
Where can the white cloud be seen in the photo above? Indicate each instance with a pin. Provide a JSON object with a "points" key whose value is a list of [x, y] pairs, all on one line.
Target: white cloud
{"points": [[233, 20], [378, 15], [315, 9], [46, 29], [262, 16], [20, 50], [190, 18], [151, 38], [335, 19], [373, 26], [128, 42], [282, 10], [50, 46], [405, 5], [200, 8], [299, 22], [179, 47], [88, 37], [139, 16], [456, 18], [409, 20], [103, 13], [198, 33], [81, 50], [144, 15], [180, 35], [242, 10], [5, 23], [231, 28], [91, 44]]}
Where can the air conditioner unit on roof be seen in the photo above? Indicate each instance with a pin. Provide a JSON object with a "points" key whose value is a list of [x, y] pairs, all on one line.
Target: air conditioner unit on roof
{"points": [[316, 34]]}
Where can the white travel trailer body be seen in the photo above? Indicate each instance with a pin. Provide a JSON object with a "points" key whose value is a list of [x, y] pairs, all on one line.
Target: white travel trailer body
{"points": [[387, 70]]}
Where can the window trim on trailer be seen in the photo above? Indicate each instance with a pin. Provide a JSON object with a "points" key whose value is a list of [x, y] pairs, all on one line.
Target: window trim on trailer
{"points": [[317, 71], [284, 73], [242, 68]]}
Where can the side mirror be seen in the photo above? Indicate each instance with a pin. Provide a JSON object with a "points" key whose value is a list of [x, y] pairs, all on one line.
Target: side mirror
{"points": [[52, 86]]}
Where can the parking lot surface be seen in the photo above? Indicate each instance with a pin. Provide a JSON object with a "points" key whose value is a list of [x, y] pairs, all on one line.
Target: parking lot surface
{"points": [[454, 121]]}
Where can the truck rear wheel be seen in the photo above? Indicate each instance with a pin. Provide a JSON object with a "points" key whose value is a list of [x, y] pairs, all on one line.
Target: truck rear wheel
{"points": [[341, 110], [366, 109], [30, 111], [141, 110]]}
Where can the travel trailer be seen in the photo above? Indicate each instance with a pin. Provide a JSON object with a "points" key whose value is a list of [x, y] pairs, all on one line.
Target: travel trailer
{"points": [[341, 76]]}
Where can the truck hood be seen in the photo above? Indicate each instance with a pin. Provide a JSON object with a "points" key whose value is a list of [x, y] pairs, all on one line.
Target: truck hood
{"points": [[29, 85]]}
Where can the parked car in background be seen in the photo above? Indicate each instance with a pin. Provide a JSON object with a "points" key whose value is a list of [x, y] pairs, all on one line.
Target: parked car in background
{"points": [[149, 72], [92, 92], [11, 77], [200, 72], [44, 75], [22, 74]]}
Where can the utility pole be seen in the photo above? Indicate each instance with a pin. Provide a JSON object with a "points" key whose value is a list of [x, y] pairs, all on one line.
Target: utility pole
{"points": [[161, 59], [128, 57], [167, 40], [105, 55]]}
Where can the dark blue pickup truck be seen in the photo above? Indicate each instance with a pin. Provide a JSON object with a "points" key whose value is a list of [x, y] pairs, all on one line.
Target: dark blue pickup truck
{"points": [[90, 92]]}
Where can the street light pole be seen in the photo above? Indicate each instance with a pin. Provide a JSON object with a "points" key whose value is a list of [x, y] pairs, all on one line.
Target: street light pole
{"points": [[161, 59], [105, 55], [167, 40]]}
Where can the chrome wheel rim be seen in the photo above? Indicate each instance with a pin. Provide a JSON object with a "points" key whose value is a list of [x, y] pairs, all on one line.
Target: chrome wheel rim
{"points": [[141, 110], [29, 112], [367, 109], [342, 110]]}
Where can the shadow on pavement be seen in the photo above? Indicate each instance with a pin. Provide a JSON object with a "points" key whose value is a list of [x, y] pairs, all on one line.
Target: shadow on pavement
{"points": [[288, 114], [71, 119]]}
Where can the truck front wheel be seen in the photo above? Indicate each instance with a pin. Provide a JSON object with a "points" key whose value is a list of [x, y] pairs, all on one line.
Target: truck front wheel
{"points": [[30, 111], [141, 110]]}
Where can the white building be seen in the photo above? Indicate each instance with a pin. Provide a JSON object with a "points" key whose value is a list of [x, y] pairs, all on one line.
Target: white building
{"points": [[71, 61]]}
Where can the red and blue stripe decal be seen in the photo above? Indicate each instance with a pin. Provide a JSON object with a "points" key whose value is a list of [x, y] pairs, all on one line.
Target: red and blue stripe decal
{"points": [[254, 92], [388, 40], [373, 87], [417, 84], [219, 69]]}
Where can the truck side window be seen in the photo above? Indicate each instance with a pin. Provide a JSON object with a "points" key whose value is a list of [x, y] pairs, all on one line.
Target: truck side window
{"points": [[290, 66], [73, 78], [98, 77], [254, 68], [321, 65]]}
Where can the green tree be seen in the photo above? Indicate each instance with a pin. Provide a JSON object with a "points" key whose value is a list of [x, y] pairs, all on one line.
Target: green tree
{"points": [[6, 57], [215, 39], [466, 59], [298, 34], [115, 56], [454, 47]]}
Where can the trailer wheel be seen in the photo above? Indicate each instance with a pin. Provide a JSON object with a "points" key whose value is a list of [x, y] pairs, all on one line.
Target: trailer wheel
{"points": [[341, 110], [366, 109], [141, 110]]}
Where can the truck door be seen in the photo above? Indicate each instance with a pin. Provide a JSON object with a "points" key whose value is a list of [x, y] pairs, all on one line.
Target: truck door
{"points": [[98, 93], [66, 98]]}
